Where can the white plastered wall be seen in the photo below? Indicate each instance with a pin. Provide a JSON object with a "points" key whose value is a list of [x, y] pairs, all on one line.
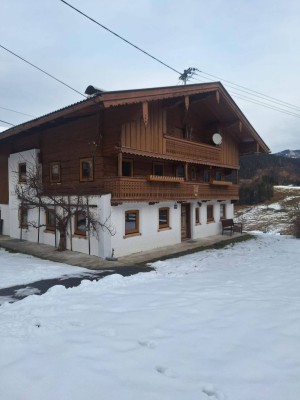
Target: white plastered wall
{"points": [[150, 237]]}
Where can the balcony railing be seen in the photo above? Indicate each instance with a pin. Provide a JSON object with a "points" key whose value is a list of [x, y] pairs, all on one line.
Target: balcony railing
{"points": [[140, 189], [185, 149]]}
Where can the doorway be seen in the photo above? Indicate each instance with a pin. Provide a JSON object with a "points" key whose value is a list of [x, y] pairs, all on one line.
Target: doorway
{"points": [[185, 221]]}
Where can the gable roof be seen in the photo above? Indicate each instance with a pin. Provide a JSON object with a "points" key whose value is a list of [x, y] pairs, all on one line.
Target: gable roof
{"points": [[126, 97]]}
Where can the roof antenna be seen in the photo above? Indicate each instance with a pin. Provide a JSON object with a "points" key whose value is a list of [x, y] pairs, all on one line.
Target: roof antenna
{"points": [[187, 74]]}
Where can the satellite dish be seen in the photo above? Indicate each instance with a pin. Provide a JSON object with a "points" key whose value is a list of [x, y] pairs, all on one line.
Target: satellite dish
{"points": [[217, 139]]}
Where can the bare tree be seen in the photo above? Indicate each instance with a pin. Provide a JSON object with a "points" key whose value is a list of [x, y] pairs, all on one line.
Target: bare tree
{"points": [[32, 194]]}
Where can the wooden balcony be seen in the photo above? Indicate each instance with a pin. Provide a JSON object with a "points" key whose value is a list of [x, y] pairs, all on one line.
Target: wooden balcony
{"points": [[140, 189], [191, 151]]}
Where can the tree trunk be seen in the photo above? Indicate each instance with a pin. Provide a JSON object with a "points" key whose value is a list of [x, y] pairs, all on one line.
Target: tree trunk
{"points": [[62, 245]]}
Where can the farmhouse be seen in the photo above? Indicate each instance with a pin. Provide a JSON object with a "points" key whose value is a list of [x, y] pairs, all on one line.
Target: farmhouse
{"points": [[158, 165]]}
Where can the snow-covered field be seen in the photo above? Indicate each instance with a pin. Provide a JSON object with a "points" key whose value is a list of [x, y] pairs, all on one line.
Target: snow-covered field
{"points": [[275, 216], [218, 324]]}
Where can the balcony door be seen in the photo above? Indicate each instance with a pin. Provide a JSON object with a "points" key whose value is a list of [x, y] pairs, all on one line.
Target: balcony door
{"points": [[185, 221]]}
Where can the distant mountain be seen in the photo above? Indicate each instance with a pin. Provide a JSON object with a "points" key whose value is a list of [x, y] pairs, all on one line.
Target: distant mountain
{"points": [[289, 153]]}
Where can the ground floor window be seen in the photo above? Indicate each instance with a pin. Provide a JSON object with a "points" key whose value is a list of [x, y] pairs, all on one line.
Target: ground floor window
{"points": [[210, 213], [164, 218], [131, 222], [50, 220], [80, 223], [23, 217], [222, 211], [197, 215]]}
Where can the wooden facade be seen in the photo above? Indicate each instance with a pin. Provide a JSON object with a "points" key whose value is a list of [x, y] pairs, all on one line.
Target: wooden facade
{"points": [[172, 127]]}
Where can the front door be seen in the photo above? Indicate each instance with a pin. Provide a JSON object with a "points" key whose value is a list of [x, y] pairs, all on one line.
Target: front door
{"points": [[185, 221]]}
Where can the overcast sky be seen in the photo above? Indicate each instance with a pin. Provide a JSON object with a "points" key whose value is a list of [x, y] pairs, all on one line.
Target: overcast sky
{"points": [[252, 43]]}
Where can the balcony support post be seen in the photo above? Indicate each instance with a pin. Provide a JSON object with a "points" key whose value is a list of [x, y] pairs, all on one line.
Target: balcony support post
{"points": [[120, 161], [186, 171]]}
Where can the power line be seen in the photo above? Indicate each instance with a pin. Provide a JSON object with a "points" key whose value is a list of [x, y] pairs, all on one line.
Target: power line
{"points": [[260, 103], [120, 37], [244, 87], [41, 70], [8, 123], [17, 112], [183, 76]]}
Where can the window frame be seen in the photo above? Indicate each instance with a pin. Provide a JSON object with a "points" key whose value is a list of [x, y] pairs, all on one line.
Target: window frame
{"points": [[223, 207], [208, 217], [59, 172], [23, 212], [129, 161], [159, 164], [167, 224], [49, 227], [21, 176], [136, 230], [77, 231], [90, 178]]}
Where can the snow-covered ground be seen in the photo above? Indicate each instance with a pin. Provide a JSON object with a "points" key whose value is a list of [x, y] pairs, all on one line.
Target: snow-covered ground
{"points": [[17, 269], [218, 324]]}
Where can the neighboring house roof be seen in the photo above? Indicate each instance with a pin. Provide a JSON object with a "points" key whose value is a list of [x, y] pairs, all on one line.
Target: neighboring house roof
{"points": [[126, 97]]}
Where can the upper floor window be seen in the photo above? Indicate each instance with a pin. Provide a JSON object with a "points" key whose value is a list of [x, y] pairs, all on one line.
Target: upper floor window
{"points": [[164, 218], [218, 175], [131, 222], [180, 171], [193, 174], [206, 176], [158, 169], [80, 223], [86, 169], [22, 172], [55, 172], [127, 167], [210, 213], [222, 211], [50, 220]]}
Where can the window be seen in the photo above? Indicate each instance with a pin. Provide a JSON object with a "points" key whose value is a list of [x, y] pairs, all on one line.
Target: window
{"points": [[206, 176], [222, 211], [55, 172], [23, 217], [180, 171], [163, 217], [218, 175], [197, 215], [50, 220], [131, 222], [22, 172], [86, 169], [193, 174], [80, 223], [127, 168], [158, 169], [210, 213]]}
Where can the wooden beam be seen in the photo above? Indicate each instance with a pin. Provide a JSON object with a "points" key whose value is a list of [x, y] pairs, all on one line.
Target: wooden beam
{"points": [[218, 96], [145, 113], [187, 102]]}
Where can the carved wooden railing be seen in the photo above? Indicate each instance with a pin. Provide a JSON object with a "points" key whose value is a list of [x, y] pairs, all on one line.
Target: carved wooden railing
{"points": [[191, 150], [140, 189]]}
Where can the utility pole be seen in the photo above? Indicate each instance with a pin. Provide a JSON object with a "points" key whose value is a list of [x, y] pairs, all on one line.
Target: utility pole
{"points": [[187, 74]]}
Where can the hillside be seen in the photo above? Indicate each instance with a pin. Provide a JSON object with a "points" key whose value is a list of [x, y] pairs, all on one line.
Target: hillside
{"points": [[274, 216], [289, 153], [284, 170]]}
